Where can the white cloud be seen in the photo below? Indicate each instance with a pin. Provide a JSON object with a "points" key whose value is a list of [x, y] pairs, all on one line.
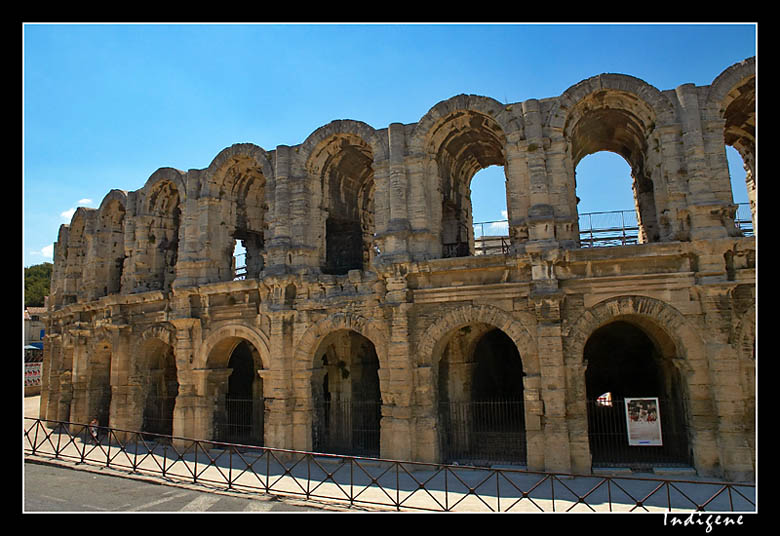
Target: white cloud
{"points": [[47, 252], [68, 214]]}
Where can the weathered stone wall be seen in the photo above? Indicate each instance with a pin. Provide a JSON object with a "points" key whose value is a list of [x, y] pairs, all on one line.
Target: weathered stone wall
{"points": [[367, 231]]}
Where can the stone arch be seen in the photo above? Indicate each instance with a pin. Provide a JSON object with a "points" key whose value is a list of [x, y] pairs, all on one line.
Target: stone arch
{"points": [[77, 254], [110, 249], [222, 162], [221, 342], [343, 384], [235, 355], [732, 99], [481, 361], [453, 141], [99, 364], [158, 227], [311, 339], [662, 108], [619, 114], [678, 344], [505, 118], [435, 337], [239, 178], [307, 150], [665, 324], [165, 174], [155, 373], [341, 161]]}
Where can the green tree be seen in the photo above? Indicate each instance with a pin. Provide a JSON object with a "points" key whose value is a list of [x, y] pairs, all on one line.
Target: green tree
{"points": [[37, 279]]}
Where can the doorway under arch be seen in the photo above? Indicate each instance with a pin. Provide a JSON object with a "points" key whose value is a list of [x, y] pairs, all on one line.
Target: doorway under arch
{"points": [[347, 402], [624, 362], [481, 408], [240, 410], [162, 387]]}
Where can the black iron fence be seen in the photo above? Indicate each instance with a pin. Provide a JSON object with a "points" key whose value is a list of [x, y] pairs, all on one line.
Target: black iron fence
{"points": [[483, 432], [347, 427], [383, 484], [240, 421], [609, 439]]}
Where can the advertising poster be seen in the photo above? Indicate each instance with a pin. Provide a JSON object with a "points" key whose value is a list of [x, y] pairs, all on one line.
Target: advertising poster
{"points": [[643, 421]]}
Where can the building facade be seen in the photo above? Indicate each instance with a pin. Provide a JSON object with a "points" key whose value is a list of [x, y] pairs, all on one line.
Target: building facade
{"points": [[365, 318]]}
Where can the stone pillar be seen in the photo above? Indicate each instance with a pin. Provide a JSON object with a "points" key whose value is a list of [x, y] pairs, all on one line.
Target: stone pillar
{"points": [[707, 210], [557, 453], [541, 215], [79, 410], [188, 411], [279, 242], [394, 189], [726, 388], [396, 380]]}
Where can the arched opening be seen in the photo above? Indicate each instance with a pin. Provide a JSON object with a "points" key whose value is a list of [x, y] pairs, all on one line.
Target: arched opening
{"points": [[75, 256], [625, 363], [619, 123], [346, 397], [481, 408], [111, 236], [163, 235], [464, 143], [344, 164], [606, 204], [239, 406], [489, 209], [740, 140], [244, 407], [161, 387]]}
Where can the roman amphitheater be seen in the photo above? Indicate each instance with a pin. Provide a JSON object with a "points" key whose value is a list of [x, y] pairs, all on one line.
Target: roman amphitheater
{"points": [[363, 314]]}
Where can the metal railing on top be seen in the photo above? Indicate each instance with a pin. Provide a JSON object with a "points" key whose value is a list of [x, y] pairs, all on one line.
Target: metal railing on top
{"points": [[374, 482]]}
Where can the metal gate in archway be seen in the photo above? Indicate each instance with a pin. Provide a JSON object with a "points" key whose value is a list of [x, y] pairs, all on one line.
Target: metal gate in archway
{"points": [[348, 427]]}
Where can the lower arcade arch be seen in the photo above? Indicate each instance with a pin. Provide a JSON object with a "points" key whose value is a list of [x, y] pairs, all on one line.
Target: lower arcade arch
{"points": [[346, 398], [635, 399], [161, 387], [481, 410], [239, 409]]}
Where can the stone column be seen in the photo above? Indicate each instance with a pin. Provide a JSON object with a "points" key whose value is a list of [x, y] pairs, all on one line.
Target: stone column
{"points": [[79, 410], [279, 242], [188, 412], [557, 453], [392, 184], [707, 210], [726, 389], [541, 214], [396, 380]]}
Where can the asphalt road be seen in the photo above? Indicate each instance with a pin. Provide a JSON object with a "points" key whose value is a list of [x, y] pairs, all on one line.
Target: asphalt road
{"points": [[49, 488]]}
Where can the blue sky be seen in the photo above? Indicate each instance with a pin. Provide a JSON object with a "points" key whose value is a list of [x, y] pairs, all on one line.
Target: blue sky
{"points": [[107, 105]]}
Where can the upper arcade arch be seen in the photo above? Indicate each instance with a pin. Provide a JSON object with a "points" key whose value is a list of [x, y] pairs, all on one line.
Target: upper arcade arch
{"points": [[619, 114], [110, 247], [340, 159], [732, 99], [456, 139], [238, 177]]}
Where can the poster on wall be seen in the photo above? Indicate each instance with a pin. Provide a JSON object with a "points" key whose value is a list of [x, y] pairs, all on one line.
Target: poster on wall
{"points": [[643, 421]]}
